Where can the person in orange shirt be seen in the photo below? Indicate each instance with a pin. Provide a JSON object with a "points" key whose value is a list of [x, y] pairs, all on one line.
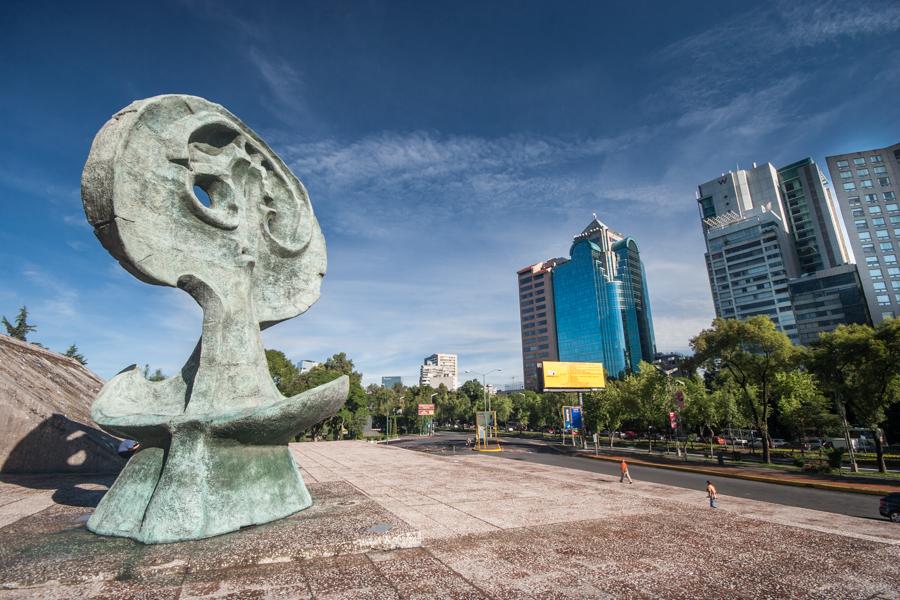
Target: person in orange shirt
{"points": [[625, 473], [713, 495]]}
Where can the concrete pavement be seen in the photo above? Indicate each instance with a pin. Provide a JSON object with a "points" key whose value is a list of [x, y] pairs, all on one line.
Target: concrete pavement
{"points": [[464, 526]]}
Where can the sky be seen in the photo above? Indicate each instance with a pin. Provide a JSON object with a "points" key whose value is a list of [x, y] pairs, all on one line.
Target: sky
{"points": [[444, 145]]}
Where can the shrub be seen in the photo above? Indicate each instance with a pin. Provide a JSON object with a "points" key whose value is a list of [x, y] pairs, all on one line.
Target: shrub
{"points": [[836, 457]]}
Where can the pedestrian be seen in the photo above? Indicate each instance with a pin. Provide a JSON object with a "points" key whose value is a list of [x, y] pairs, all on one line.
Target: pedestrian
{"points": [[625, 473], [712, 494]]}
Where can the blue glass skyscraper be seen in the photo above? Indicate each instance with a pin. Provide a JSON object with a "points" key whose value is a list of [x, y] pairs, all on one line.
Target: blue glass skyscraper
{"points": [[602, 304]]}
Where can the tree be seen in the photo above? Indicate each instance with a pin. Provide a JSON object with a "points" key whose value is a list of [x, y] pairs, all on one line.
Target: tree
{"points": [[22, 327], [605, 410], [753, 352], [502, 405], [802, 407], [860, 367], [284, 373], [157, 375], [73, 352], [646, 398]]}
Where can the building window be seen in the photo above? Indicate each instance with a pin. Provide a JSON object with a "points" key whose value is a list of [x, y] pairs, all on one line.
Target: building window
{"points": [[891, 259], [883, 300], [886, 246], [862, 173], [888, 314], [868, 248], [842, 164], [853, 200], [879, 286], [846, 174], [866, 183], [880, 170], [889, 196], [877, 221], [891, 207], [875, 158], [884, 181], [875, 273], [861, 223], [894, 271], [865, 235], [871, 198], [859, 161], [875, 210], [872, 260], [849, 185], [858, 212], [881, 233]]}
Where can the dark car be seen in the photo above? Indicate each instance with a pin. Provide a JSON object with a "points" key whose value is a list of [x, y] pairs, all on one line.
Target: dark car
{"points": [[889, 507]]}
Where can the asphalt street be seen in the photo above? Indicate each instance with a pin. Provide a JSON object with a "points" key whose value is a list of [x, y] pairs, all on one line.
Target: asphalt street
{"points": [[857, 505]]}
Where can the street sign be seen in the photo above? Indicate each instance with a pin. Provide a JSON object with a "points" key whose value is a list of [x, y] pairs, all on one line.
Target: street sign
{"points": [[426, 410], [572, 417]]}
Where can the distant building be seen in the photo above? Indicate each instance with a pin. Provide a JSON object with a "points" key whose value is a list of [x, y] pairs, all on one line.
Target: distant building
{"points": [[389, 381], [438, 369], [670, 363], [866, 183], [306, 366], [775, 248], [602, 302], [491, 389], [536, 317]]}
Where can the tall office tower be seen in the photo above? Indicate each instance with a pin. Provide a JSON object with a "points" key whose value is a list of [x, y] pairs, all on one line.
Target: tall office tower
{"points": [[536, 317], [438, 369], [602, 303], [771, 234], [389, 381], [866, 185], [813, 217]]}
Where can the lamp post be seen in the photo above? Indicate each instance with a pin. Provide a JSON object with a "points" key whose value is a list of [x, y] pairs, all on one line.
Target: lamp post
{"points": [[487, 400]]}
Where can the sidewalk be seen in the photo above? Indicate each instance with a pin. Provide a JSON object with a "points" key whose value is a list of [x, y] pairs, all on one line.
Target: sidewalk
{"points": [[751, 473]]}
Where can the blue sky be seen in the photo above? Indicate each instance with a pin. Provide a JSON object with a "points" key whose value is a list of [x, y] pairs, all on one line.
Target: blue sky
{"points": [[444, 145]]}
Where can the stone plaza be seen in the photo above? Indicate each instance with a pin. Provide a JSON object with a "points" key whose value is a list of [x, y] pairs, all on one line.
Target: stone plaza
{"points": [[393, 523]]}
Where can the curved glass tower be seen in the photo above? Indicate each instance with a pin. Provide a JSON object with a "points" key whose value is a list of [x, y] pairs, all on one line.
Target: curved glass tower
{"points": [[602, 303]]}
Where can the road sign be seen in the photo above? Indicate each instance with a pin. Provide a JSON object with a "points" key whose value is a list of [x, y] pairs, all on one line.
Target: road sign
{"points": [[426, 410], [572, 417]]}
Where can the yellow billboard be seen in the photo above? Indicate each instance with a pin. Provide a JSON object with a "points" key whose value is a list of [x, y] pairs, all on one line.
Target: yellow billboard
{"points": [[573, 376]]}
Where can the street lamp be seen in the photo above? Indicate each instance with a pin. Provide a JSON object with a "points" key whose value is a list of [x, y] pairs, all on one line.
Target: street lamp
{"points": [[487, 399]]}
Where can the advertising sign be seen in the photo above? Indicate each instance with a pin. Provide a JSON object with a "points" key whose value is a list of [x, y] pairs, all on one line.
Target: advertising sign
{"points": [[673, 420], [572, 418], [572, 376], [426, 410]]}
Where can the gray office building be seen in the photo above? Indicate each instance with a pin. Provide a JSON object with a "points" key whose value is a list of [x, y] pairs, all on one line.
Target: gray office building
{"points": [[866, 187], [775, 248]]}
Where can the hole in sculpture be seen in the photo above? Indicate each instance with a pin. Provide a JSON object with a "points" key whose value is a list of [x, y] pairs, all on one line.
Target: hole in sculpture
{"points": [[202, 196]]}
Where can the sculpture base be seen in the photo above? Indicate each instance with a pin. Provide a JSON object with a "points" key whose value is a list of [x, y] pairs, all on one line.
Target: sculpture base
{"points": [[201, 487]]}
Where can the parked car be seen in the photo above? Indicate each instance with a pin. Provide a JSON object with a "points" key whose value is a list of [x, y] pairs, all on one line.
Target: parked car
{"points": [[629, 435], [889, 507], [716, 439], [776, 443]]}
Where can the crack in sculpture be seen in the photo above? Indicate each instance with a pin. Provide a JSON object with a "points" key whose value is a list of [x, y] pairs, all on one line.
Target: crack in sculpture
{"points": [[216, 434]]}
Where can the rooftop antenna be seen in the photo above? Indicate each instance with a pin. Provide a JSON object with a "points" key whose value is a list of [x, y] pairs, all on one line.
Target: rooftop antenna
{"points": [[595, 215]]}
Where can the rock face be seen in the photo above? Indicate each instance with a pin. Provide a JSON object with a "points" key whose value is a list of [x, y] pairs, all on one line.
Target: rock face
{"points": [[44, 407], [184, 194]]}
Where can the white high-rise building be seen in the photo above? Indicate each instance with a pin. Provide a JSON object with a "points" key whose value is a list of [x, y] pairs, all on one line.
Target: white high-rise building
{"points": [[775, 248], [438, 369]]}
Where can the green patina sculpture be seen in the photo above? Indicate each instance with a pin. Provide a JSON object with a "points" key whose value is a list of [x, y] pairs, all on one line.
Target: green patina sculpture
{"points": [[251, 254]]}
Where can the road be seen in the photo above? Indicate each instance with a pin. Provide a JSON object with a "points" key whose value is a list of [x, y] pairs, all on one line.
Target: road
{"points": [[856, 505]]}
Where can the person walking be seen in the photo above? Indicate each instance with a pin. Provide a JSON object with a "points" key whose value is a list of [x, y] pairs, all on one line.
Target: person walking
{"points": [[712, 494], [625, 473]]}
